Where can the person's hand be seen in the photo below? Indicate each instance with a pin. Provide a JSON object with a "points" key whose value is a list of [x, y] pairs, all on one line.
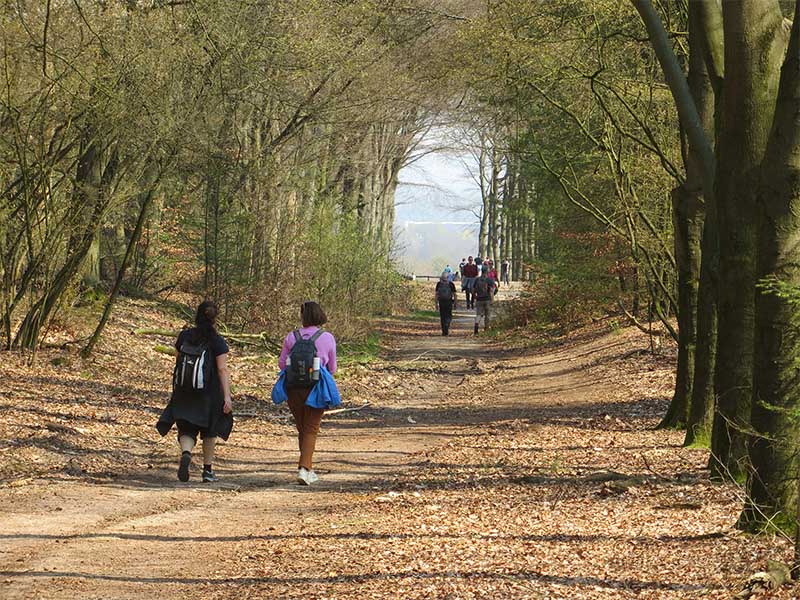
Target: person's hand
{"points": [[227, 407]]}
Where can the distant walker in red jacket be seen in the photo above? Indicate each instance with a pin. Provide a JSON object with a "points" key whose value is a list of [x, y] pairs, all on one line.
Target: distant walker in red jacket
{"points": [[468, 281]]}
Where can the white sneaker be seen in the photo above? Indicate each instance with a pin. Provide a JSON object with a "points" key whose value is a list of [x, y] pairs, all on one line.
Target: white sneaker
{"points": [[302, 476], [312, 477]]}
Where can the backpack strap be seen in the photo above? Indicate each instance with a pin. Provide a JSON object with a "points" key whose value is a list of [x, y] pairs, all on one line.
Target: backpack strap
{"points": [[313, 338]]}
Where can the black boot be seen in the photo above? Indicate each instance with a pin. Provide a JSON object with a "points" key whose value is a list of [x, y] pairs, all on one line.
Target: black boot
{"points": [[183, 467], [476, 329]]}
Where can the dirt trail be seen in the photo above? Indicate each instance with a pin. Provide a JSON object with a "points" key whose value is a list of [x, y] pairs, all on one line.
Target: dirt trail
{"points": [[148, 534], [475, 473]]}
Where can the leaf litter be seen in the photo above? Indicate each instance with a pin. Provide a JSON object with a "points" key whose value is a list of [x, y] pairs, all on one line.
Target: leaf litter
{"points": [[563, 490], [545, 477]]}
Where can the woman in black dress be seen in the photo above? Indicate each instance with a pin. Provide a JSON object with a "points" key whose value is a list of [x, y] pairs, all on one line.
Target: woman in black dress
{"points": [[205, 412]]}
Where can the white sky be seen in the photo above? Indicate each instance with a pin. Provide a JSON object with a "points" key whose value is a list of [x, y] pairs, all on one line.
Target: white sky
{"points": [[437, 187]]}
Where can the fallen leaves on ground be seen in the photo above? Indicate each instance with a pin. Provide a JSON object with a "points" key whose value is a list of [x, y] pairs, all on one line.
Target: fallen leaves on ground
{"points": [[545, 477], [577, 496]]}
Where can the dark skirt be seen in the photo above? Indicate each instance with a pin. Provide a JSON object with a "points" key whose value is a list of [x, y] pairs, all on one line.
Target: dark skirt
{"points": [[202, 410]]}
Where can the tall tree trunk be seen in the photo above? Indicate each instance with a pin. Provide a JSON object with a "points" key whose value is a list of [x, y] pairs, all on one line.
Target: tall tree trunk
{"points": [[688, 224], [754, 44], [688, 217], [494, 202], [509, 203], [706, 40], [705, 78], [703, 401], [485, 199], [90, 271], [531, 245], [776, 387], [516, 229]]}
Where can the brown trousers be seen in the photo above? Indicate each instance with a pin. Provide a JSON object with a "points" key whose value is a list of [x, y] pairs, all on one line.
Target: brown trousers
{"points": [[307, 420]]}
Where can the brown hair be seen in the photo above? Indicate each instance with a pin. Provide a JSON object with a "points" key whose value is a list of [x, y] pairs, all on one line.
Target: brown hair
{"points": [[312, 314], [205, 321]]}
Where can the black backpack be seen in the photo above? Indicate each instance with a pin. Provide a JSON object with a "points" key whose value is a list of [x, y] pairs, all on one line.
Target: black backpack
{"points": [[300, 370], [193, 368], [482, 288], [444, 293]]}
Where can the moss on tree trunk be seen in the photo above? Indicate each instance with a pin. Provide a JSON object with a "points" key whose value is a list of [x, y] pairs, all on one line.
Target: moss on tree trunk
{"points": [[773, 447], [753, 53]]}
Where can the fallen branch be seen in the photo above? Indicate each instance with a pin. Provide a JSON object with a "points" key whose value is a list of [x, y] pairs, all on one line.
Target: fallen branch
{"points": [[161, 349], [156, 332], [655, 346], [252, 339], [634, 321], [166, 288], [649, 467], [245, 336], [776, 575], [249, 413], [445, 353], [339, 411], [413, 360], [255, 358], [63, 345]]}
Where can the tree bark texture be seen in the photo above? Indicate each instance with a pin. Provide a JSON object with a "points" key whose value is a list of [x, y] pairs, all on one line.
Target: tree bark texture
{"points": [[774, 444], [754, 45], [688, 223], [705, 67], [703, 400]]}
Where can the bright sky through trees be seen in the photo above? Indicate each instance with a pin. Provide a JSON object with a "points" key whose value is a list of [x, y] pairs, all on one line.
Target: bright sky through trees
{"points": [[438, 187]]}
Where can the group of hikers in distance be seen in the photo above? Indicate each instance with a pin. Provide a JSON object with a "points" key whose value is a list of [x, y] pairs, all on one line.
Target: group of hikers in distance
{"points": [[479, 282], [200, 404]]}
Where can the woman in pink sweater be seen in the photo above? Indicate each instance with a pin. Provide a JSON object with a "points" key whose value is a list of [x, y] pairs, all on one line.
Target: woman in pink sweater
{"points": [[306, 418]]}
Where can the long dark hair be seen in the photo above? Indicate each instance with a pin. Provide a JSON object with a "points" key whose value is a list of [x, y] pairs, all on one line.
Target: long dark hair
{"points": [[205, 320]]}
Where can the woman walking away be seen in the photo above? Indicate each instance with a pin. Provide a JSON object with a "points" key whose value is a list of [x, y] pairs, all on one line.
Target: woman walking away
{"points": [[308, 359], [445, 301], [201, 392]]}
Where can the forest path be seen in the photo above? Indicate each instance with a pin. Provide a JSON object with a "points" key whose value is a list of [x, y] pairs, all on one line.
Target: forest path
{"points": [[475, 473], [147, 534]]}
